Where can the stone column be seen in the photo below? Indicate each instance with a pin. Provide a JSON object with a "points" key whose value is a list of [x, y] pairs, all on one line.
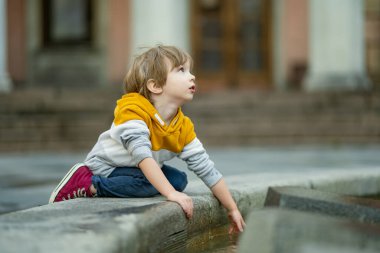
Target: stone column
{"points": [[164, 21], [337, 49], [5, 83], [279, 75]]}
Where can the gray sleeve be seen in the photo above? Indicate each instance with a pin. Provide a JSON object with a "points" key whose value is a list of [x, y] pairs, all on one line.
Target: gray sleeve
{"points": [[134, 136], [199, 162]]}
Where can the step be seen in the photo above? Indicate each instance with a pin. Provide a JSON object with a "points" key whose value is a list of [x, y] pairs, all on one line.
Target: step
{"points": [[51, 119]]}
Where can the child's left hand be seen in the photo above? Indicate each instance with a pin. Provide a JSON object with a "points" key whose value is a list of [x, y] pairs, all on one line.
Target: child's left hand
{"points": [[237, 222]]}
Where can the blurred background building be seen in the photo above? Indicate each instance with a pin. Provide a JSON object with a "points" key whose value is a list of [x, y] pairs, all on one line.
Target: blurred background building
{"points": [[269, 71]]}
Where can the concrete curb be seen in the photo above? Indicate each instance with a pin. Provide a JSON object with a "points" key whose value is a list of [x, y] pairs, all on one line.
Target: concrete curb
{"points": [[153, 224]]}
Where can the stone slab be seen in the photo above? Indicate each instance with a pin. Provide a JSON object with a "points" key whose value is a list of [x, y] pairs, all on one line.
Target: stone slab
{"points": [[145, 225], [305, 199], [290, 231]]}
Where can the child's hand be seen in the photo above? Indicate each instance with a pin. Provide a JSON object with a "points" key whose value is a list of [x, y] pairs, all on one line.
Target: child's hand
{"points": [[237, 222], [184, 201]]}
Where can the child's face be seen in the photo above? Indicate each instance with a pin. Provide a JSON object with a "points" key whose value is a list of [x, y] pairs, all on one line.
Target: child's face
{"points": [[180, 84]]}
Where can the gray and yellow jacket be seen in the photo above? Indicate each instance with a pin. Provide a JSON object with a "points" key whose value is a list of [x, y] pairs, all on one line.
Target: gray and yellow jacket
{"points": [[138, 132]]}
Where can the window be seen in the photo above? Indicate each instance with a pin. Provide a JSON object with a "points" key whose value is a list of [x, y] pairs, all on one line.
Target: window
{"points": [[67, 22]]}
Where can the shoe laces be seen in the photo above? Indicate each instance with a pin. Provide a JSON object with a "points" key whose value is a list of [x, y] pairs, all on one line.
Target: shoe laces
{"points": [[80, 193]]}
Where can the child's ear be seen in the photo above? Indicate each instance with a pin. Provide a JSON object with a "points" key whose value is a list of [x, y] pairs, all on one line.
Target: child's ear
{"points": [[153, 87]]}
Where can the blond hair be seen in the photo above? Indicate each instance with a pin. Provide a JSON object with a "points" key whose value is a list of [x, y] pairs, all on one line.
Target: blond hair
{"points": [[153, 64]]}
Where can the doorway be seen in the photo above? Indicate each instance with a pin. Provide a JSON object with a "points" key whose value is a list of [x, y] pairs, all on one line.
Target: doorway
{"points": [[231, 42]]}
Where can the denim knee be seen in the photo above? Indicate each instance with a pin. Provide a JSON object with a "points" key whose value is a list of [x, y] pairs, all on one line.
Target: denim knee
{"points": [[181, 181]]}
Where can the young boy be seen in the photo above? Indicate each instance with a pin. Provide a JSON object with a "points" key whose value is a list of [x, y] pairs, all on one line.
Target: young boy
{"points": [[149, 128]]}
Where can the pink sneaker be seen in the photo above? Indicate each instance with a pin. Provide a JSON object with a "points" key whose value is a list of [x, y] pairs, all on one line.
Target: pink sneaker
{"points": [[75, 184]]}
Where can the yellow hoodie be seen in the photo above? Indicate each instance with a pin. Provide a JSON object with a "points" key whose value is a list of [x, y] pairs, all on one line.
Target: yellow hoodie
{"points": [[173, 137], [138, 132]]}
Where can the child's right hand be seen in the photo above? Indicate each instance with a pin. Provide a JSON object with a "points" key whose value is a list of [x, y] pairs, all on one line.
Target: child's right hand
{"points": [[237, 221], [184, 201]]}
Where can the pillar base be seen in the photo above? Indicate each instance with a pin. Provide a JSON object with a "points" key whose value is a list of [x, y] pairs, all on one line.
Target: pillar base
{"points": [[337, 82], [5, 84]]}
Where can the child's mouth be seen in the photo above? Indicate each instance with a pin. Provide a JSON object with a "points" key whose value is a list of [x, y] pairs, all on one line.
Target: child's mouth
{"points": [[192, 88]]}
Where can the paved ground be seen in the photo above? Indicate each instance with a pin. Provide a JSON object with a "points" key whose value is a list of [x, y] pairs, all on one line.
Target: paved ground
{"points": [[26, 180]]}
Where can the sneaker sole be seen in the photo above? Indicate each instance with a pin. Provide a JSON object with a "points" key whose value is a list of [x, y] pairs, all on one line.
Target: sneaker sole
{"points": [[63, 182]]}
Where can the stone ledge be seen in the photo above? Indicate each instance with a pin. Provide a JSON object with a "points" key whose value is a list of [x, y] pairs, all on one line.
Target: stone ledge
{"points": [[152, 224]]}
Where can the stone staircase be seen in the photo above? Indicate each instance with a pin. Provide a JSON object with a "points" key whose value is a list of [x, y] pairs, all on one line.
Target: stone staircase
{"points": [[54, 120], [286, 118], [67, 120]]}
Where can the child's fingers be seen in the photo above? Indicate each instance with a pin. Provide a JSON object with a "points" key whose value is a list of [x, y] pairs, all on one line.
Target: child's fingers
{"points": [[187, 207], [184, 201], [237, 222], [240, 226], [233, 229]]}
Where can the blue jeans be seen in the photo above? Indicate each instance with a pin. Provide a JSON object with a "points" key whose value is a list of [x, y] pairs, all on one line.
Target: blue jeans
{"points": [[131, 182]]}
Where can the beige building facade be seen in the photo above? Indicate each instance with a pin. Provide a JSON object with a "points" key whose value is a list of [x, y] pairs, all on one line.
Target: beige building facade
{"points": [[246, 44]]}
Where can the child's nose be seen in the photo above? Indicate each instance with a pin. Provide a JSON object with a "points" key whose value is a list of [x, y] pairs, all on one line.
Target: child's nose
{"points": [[192, 77]]}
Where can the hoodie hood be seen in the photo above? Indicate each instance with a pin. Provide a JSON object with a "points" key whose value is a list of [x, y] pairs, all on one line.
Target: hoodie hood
{"points": [[133, 106], [173, 137]]}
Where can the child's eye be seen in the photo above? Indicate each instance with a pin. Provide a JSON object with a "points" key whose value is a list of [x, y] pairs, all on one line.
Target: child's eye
{"points": [[182, 69]]}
